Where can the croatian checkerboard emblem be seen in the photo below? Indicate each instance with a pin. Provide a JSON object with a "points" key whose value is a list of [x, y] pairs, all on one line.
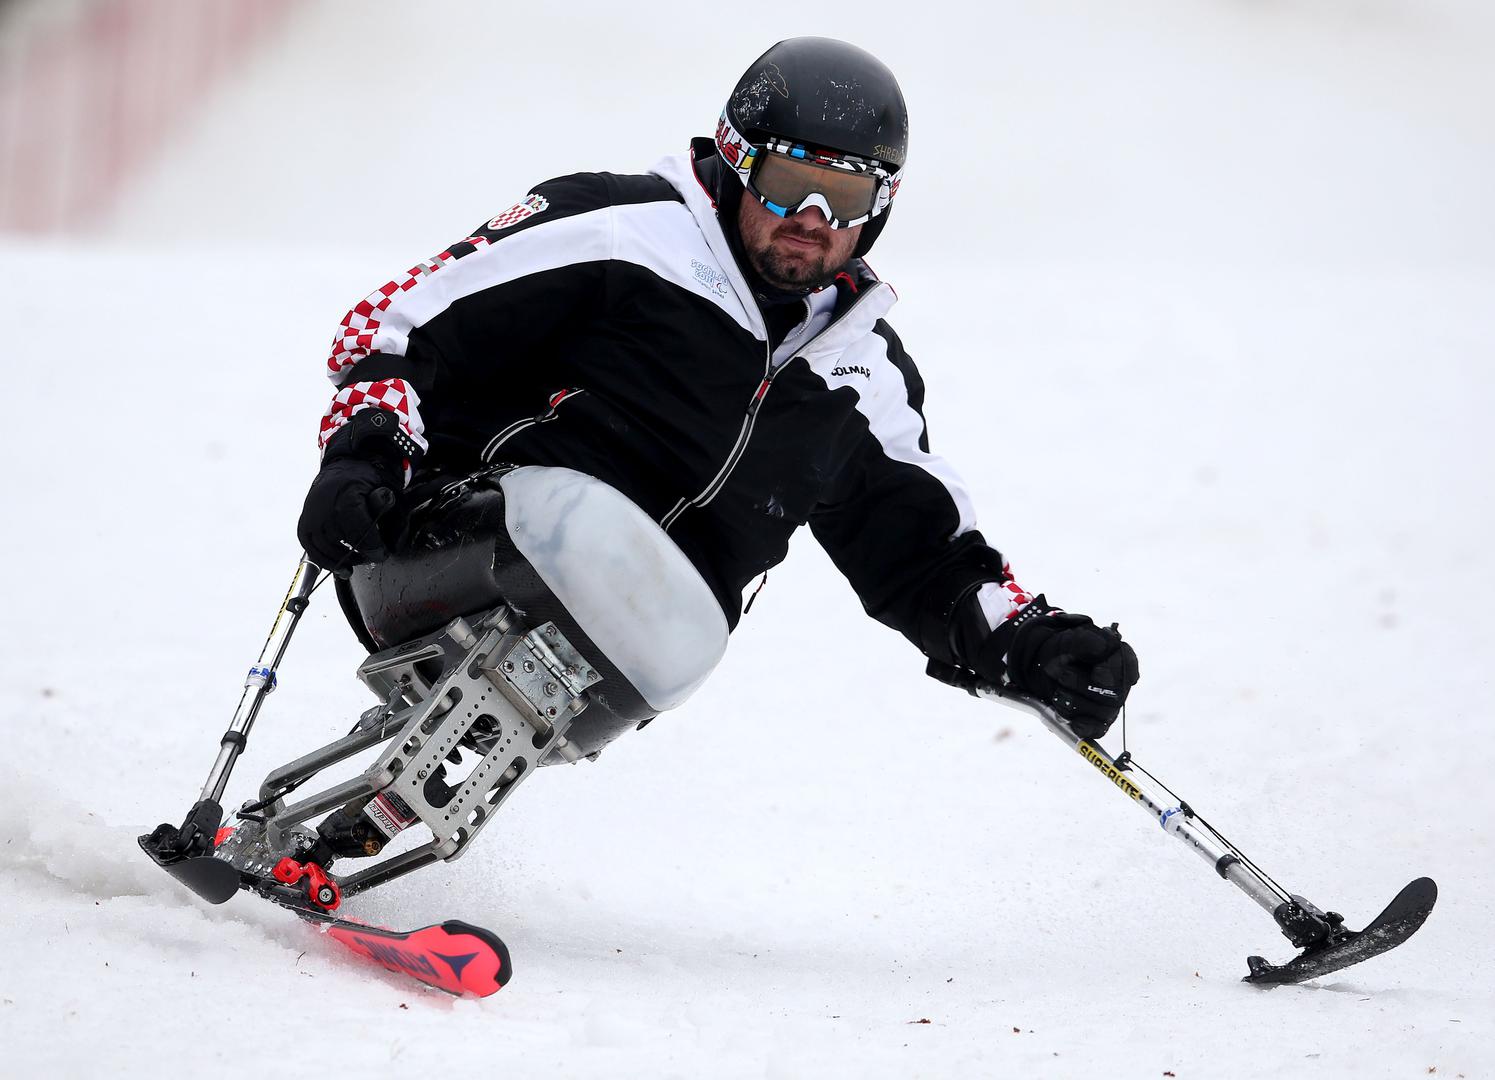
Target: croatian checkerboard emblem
{"points": [[528, 207]]}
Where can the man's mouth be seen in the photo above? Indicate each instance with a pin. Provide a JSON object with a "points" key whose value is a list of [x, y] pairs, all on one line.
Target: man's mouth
{"points": [[802, 240]]}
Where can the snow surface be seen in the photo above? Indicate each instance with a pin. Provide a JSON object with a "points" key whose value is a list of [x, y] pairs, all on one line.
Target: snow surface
{"points": [[1254, 434]]}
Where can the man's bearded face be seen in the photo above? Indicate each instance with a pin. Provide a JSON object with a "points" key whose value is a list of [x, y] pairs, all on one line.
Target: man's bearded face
{"points": [[797, 252]]}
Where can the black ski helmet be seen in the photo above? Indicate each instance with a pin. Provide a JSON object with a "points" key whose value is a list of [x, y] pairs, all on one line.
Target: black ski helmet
{"points": [[825, 95]]}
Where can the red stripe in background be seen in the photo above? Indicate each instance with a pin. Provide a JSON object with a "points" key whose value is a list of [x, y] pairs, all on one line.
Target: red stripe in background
{"points": [[93, 95]]}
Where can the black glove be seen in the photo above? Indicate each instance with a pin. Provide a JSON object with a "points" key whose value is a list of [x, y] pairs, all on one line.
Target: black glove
{"points": [[363, 468], [1084, 671]]}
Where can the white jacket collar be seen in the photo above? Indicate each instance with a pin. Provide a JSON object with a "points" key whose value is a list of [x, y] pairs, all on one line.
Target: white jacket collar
{"points": [[872, 304]]}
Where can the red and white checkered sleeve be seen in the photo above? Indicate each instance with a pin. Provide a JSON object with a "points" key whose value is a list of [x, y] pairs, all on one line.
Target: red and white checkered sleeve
{"points": [[1002, 600], [396, 395], [508, 248], [370, 327], [382, 321]]}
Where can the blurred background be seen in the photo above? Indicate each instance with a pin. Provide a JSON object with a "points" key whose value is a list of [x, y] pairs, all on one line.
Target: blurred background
{"points": [[1204, 295], [1354, 132]]}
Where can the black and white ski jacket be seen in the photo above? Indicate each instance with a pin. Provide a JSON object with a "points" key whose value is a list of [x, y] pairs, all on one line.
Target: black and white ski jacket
{"points": [[602, 324]]}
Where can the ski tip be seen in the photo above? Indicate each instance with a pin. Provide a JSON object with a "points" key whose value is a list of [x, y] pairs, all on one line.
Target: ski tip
{"points": [[462, 959], [504, 969], [1410, 907], [1424, 887]]}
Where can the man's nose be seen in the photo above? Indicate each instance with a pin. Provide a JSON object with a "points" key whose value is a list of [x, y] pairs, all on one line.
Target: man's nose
{"points": [[811, 217]]}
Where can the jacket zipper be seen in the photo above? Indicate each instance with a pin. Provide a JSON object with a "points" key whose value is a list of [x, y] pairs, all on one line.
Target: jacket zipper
{"points": [[740, 447], [528, 422]]}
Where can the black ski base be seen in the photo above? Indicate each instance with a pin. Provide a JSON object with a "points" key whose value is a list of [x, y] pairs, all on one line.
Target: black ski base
{"points": [[1401, 919], [212, 879], [186, 853]]}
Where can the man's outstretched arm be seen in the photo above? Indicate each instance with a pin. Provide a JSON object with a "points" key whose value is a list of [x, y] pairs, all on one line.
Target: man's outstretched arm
{"points": [[900, 524]]}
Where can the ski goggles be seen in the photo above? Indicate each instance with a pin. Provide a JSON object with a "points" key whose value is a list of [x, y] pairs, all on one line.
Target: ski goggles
{"points": [[787, 177]]}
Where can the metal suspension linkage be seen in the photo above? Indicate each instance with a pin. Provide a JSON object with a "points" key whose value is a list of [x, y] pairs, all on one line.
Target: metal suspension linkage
{"points": [[491, 684], [491, 688]]}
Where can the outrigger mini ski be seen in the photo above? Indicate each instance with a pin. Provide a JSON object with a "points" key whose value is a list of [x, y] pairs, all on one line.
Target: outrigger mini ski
{"points": [[1326, 944]]}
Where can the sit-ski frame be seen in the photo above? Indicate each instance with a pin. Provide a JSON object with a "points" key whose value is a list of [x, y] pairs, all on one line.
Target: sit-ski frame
{"points": [[490, 683]]}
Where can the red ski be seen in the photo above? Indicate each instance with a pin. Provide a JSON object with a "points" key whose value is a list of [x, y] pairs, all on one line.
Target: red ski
{"points": [[451, 956]]}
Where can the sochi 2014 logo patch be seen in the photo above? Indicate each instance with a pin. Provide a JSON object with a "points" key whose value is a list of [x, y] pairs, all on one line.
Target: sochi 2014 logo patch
{"points": [[528, 207], [713, 279]]}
